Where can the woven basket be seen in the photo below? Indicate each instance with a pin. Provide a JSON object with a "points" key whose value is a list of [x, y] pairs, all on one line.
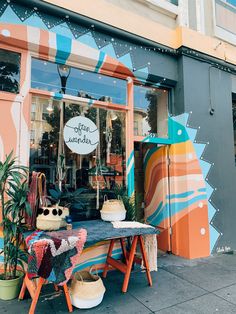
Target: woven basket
{"points": [[87, 290], [48, 224], [54, 219], [114, 205], [113, 210]]}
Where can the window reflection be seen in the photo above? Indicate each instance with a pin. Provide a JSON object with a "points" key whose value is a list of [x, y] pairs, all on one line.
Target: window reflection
{"points": [[103, 168], [79, 83], [9, 71], [150, 112]]}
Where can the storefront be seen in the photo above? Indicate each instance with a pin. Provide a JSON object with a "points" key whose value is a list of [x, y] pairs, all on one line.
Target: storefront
{"points": [[145, 143]]}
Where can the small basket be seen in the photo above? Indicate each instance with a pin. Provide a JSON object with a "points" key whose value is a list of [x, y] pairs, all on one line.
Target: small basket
{"points": [[113, 210], [48, 224], [114, 205], [51, 217], [87, 290]]}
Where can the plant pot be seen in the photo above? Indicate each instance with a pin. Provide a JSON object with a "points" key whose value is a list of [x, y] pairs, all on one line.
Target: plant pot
{"points": [[10, 289]]}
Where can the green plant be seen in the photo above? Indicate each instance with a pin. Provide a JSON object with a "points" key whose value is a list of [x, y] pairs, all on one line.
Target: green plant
{"points": [[14, 205], [130, 203]]}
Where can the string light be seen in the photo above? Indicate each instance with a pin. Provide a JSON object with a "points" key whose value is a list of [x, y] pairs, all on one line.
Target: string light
{"points": [[107, 40]]}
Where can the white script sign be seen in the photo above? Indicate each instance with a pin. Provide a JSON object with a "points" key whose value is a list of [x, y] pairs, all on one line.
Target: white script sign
{"points": [[81, 135]]}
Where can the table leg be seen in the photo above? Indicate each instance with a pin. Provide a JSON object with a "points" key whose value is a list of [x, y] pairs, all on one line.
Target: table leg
{"points": [[68, 300], [22, 291], [145, 261], [122, 243], [130, 264], [104, 274], [41, 281]]}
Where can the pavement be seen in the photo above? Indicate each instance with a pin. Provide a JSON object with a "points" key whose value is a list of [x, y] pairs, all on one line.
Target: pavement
{"points": [[180, 286]]}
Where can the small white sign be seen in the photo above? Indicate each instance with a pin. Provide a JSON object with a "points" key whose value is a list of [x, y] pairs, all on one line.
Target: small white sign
{"points": [[81, 135]]}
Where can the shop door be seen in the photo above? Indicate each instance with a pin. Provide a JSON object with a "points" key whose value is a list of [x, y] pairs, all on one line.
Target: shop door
{"points": [[152, 189]]}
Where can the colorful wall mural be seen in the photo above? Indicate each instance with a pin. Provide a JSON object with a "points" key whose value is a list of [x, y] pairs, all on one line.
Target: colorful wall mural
{"points": [[185, 205]]}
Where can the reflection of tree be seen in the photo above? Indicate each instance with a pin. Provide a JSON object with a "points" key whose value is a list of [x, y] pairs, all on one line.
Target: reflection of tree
{"points": [[9, 71], [152, 111]]}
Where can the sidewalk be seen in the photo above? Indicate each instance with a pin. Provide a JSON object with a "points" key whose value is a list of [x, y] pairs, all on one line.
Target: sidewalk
{"points": [[180, 286]]}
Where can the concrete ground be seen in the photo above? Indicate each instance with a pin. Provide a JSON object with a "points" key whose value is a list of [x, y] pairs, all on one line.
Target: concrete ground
{"points": [[180, 286]]}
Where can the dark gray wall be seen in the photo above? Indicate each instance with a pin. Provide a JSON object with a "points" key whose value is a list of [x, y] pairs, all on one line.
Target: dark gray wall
{"points": [[204, 87]]}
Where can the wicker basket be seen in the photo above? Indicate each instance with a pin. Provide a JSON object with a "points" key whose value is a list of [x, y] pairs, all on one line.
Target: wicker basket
{"points": [[87, 290], [114, 205], [113, 210], [51, 217]]}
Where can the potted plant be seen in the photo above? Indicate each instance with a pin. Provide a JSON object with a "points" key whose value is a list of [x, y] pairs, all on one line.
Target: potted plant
{"points": [[14, 206]]}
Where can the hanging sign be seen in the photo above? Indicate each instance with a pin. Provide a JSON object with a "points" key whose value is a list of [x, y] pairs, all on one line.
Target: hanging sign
{"points": [[81, 135]]}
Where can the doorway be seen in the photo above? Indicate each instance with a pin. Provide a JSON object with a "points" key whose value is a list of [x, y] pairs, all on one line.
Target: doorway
{"points": [[152, 189]]}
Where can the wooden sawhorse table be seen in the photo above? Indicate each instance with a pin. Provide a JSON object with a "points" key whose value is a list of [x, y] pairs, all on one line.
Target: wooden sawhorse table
{"points": [[129, 258], [34, 287]]}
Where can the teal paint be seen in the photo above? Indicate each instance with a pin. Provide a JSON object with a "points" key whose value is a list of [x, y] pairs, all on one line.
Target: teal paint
{"points": [[63, 49], [58, 96], [100, 61]]}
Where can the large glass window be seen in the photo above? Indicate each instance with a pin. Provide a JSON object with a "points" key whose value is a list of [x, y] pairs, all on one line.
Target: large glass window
{"points": [[102, 169], [45, 76], [9, 71], [150, 112]]}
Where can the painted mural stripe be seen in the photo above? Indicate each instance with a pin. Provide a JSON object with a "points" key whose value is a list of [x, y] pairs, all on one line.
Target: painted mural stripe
{"points": [[181, 195], [176, 207], [63, 48], [130, 158], [100, 61]]}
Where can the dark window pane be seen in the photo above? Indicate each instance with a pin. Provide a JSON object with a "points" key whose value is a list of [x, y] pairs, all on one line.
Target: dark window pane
{"points": [[79, 82], [150, 112], [9, 71]]}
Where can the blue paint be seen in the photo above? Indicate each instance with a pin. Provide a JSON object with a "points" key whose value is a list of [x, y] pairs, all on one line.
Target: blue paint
{"points": [[126, 60], [90, 102], [57, 96], [35, 21], [148, 155], [199, 149], [192, 133], [9, 16], [62, 30], [52, 276], [131, 181], [63, 49], [102, 56], [214, 235], [202, 190], [211, 212], [181, 195], [130, 158], [142, 73], [87, 39], [151, 217], [177, 131], [101, 259], [209, 190], [175, 208], [109, 50], [156, 140]]}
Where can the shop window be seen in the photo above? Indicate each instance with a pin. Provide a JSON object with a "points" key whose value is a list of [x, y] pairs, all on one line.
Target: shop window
{"points": [[103, 169], [9, 71], [81, 83], [234, 121], [150, 112]]}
